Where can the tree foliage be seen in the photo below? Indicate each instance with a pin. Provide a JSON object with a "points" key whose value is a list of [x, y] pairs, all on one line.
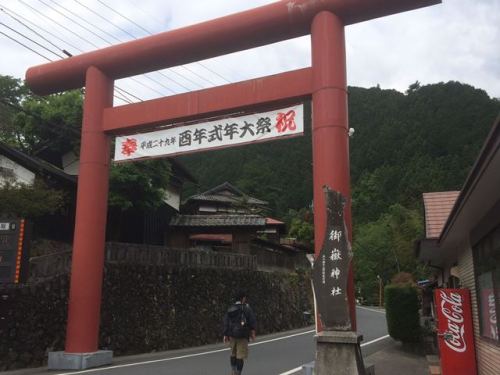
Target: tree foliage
{"points": [[301, 225], [33, 201], [50, 126], [405, 144], [384, 247], [139, 185]]}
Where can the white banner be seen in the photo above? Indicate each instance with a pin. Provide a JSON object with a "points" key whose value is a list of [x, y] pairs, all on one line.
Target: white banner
{"points": [[221, 133]]}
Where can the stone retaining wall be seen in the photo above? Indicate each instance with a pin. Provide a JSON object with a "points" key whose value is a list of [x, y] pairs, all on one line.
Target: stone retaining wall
{"points": [[147, 308]]}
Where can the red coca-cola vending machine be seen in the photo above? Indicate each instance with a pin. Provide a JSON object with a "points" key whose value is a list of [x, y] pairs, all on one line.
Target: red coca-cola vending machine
{"points": [[455, 332]]}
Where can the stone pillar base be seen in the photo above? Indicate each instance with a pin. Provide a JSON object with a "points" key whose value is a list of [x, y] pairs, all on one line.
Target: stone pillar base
{"points": [[338, 353], [79, 361]]}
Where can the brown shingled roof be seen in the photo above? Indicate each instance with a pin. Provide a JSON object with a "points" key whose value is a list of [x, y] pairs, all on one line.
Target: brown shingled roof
{"points": [[437, 206]]}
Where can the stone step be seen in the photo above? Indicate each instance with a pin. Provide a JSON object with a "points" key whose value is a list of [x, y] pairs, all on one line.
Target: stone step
{"points": [[433, 359], [308, 368], [434, 370]]}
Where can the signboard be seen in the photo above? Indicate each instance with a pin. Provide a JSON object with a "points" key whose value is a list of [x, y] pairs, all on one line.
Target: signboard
{"points": [[227, 132], [455, 332], [13, 254], [331, 268]]}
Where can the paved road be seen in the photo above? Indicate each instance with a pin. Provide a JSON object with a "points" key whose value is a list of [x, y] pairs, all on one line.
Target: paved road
{"points": [[270, 355]]}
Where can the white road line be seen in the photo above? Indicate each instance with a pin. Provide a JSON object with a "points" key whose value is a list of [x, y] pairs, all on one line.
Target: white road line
{"points": [[375, 340], [374, 310], [283, 338], [180, 357], [293, 371]]}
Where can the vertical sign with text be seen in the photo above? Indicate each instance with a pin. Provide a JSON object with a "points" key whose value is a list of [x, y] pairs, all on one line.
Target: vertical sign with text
{"points": [[331, 268]]}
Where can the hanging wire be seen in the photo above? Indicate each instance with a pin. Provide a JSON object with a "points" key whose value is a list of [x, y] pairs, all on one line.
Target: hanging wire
{"points": [[72, 19], [150, 33], [69, 54], [9, 12], [25, 46], [134, 37], [49, 50], [31, 40]]}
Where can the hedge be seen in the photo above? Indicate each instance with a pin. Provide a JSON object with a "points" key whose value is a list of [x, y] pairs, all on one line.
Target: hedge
{"points": [[401, 306]]}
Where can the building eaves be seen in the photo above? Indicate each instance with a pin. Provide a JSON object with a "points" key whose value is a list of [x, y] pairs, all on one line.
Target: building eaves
{"points": [[35, 164], [218, 221]]}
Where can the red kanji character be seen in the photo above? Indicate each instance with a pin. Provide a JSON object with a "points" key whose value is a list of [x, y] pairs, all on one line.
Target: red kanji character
{"points": [[129, 146], [285, 121]]}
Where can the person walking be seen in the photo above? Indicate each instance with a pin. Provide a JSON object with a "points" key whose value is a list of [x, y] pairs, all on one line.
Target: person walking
{"points": [[239, 328]]}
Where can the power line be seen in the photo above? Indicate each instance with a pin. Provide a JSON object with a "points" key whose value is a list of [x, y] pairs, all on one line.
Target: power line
{"points": [[125, 17], [104, 19], [6, 10], [29, 28], [25, 46], [50, 126], [28, 38], [72, 19], [150, 33], [132, 36], [45, 57], [128, 93], [57, 23], [93, 25]]}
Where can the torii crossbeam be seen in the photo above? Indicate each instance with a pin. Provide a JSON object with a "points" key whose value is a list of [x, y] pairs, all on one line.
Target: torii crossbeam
{"points": [[324, 83]]}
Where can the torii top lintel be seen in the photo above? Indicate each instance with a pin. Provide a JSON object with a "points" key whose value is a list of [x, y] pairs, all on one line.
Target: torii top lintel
{"points": [[267, 24]]}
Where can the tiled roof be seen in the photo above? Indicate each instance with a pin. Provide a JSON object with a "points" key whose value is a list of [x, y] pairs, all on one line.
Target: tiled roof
{"points": [[438, 206], [218, 221], [271, 221], [226, 193]]}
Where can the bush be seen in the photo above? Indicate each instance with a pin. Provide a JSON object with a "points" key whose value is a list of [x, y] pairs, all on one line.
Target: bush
{"points": [[401, 306]]}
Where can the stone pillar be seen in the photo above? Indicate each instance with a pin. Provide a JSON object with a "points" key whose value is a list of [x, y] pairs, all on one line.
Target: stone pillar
{"points": [[338, 353]]}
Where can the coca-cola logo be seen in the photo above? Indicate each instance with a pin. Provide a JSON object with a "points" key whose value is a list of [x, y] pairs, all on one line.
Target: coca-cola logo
{"points": [[452, 309]]}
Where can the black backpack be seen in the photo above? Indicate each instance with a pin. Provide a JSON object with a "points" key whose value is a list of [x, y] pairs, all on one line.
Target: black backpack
{"points": [[238, 321]]}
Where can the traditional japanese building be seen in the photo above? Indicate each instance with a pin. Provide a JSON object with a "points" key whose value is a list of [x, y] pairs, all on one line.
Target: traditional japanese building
{"points": [[462, 245], [226, 219]]}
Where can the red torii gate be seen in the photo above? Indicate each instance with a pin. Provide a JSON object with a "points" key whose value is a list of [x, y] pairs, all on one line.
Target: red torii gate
{"points": [[324, 82]]}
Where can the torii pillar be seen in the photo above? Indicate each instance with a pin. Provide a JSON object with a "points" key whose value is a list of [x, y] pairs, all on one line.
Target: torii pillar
{"points": [[324, 83]]}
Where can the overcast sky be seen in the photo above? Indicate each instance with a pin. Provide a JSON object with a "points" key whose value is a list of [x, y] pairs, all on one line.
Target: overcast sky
{"points": [[458, 40]]}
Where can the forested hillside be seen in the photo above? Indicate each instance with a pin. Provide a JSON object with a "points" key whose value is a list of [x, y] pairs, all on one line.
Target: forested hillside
{"points": [[404, 144]]}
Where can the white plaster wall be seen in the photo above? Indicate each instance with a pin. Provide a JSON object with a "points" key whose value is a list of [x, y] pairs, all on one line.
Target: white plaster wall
{"points": [[20, 174], [172, 198], [71, 163]]}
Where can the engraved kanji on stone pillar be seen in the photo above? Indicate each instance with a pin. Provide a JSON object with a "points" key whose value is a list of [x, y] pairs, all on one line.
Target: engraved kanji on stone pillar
{"points": [[331, 267]]}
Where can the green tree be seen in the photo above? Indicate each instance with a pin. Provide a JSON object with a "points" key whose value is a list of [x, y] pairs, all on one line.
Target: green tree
{"points": [[30, 201], [384, 247], [301, 225], [12, 93], [139, 185], [50, 126]]}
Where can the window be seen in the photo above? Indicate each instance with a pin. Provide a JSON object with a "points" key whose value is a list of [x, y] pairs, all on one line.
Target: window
{"points": [[487, 269]]}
